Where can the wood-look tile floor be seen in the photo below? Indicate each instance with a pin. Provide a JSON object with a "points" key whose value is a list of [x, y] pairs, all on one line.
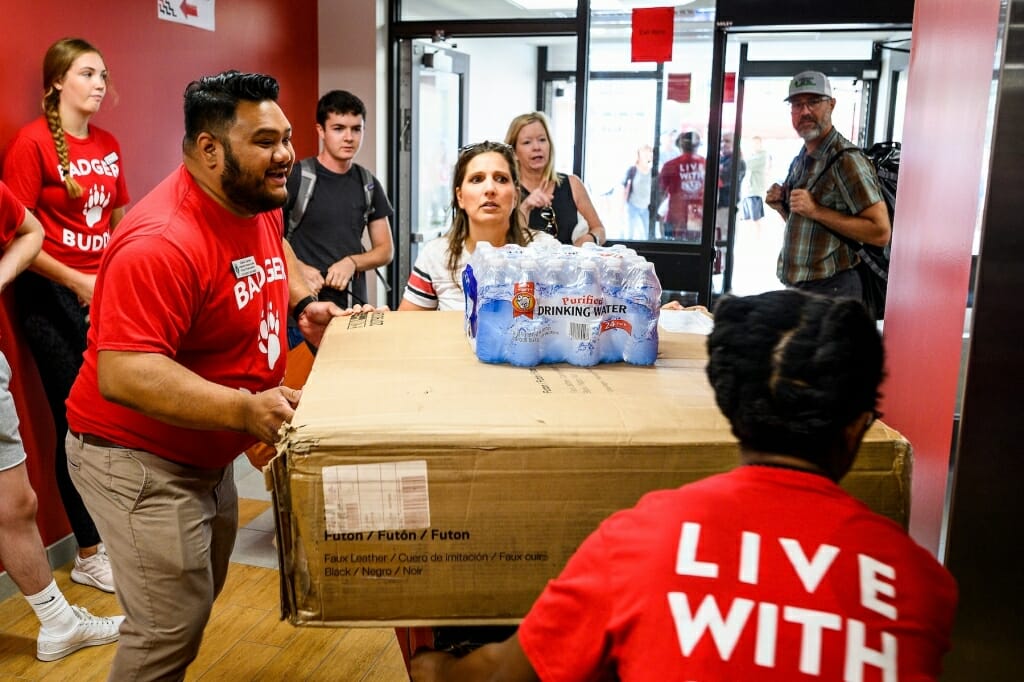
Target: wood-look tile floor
{"points": [[244, 640]]}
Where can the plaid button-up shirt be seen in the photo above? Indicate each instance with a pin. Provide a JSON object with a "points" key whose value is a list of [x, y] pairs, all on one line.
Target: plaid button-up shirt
{"points": [[810, 251]]}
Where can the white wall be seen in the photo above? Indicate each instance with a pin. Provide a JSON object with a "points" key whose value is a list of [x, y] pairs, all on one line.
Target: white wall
{"points": [[352, 39], [503, 84]]}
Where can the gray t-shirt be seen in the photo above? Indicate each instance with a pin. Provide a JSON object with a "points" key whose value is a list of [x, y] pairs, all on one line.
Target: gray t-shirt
{"points": [[757, 173], [640, 189]]}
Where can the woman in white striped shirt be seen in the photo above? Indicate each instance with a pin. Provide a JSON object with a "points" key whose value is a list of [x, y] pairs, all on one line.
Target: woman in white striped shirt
{"points": [[485, 196]]}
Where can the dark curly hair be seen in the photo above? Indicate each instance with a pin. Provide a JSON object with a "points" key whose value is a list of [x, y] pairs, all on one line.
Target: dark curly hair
{"points": [[791, 370], [211, 102]]}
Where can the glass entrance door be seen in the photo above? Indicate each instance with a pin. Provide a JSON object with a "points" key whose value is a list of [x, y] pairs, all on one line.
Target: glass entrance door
{"points": [[621, 138], [434, 102], [767, 146], [761, 126]]}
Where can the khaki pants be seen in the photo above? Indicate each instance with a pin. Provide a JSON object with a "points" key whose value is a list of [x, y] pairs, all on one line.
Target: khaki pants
{"points": [[169, 530]]}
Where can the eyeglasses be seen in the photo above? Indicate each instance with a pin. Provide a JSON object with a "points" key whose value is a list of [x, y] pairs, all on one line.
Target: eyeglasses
{"points": [[485, 146], [547, 214], [807, 103]]}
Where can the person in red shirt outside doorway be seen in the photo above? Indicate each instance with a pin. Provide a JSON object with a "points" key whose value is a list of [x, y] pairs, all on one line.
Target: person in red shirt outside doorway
{"points": [[682, 181]]}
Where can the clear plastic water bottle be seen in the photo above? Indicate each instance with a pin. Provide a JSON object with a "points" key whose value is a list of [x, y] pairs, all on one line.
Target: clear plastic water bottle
{"points": [[472, 299], [494, 309], [584, 300], [621, 250], [553, 275], [525, 332], [615, 326], [642, 292]]}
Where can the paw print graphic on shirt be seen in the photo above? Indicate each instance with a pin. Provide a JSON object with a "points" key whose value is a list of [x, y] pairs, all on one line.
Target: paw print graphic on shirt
{"points": [[270, 341], [97, 201]]}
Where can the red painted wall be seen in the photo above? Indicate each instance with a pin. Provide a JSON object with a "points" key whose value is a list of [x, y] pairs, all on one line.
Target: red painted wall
{"points": [[942, 169], [150, 63]]}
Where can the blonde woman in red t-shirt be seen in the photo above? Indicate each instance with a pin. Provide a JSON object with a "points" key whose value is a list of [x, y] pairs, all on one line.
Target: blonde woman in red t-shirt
{"points": [[68, 173]]}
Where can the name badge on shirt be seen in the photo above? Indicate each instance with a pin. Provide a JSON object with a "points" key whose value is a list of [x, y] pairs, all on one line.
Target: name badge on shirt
{"points": [[244, 267]]}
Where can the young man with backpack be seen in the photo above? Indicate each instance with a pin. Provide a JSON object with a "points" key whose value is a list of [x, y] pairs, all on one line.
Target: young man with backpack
{"points": [[831, 200], [331, 201]]}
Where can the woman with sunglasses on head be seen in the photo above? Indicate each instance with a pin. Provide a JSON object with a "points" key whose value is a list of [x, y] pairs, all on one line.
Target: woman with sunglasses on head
{"points": [[68, 173], [484, 200], [551, 201]]}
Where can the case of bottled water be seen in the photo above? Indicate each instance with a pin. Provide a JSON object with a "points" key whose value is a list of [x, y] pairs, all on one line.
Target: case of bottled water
{"points": [[547, 303]]}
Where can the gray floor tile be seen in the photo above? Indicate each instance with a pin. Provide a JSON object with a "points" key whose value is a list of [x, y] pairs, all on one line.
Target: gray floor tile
{"points": [[255, 548], [249, 480]]}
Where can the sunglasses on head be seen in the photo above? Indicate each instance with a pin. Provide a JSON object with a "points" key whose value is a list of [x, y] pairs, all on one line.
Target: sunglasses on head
{"points": [[547, 214], [485, 146]]}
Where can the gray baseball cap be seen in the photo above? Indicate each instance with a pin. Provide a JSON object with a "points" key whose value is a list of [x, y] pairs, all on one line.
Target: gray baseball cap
{"points": [[809, 83]]}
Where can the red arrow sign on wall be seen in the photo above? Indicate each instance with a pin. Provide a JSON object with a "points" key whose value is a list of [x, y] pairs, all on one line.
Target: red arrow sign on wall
{"points": [[189, 10]]}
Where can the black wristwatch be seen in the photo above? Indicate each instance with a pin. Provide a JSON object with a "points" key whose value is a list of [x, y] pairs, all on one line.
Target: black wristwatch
{"points": [[302, 305]]}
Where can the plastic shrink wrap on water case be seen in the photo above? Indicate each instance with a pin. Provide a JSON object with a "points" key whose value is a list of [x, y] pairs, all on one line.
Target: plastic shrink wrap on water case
{"points": [[544, 304]]}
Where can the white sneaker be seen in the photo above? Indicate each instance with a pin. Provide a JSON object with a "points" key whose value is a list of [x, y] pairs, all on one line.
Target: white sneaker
{"points": [[90, 631], [94, 571]]}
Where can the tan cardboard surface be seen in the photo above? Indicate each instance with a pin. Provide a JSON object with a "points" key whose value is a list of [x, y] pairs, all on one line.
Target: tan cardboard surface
{"points": [[501, 471]]}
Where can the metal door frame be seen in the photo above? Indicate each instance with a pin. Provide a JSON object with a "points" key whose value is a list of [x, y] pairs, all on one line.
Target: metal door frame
{"points": [[402, 120], [411, 54]]}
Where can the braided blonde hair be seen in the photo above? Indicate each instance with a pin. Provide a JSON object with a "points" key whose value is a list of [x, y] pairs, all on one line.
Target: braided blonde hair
{"points": [[59, 58]]}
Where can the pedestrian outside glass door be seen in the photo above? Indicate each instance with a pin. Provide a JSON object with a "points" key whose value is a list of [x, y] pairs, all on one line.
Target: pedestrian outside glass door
{"points": [[621, 136]]}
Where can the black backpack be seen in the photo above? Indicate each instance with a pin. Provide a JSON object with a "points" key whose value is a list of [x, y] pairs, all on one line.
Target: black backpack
{"points": [[885, 157], [874, 266]]}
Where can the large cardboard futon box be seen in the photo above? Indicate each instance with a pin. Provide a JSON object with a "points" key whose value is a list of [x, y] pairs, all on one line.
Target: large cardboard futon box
{"points": [[418, 485]]}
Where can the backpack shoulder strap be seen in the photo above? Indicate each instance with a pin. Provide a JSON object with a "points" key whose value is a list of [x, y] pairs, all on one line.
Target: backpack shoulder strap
{"points": [[366, 179], [307, 168], [798, 159], [828, 165], [630, 179], [852, 243]]}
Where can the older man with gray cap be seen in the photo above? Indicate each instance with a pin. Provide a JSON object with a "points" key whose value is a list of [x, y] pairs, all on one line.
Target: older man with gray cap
{"points": [[827, 195]]}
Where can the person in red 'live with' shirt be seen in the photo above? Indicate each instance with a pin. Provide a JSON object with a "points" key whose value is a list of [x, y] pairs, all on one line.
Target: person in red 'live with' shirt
{"points": [[69, 174], [768, 572]]}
